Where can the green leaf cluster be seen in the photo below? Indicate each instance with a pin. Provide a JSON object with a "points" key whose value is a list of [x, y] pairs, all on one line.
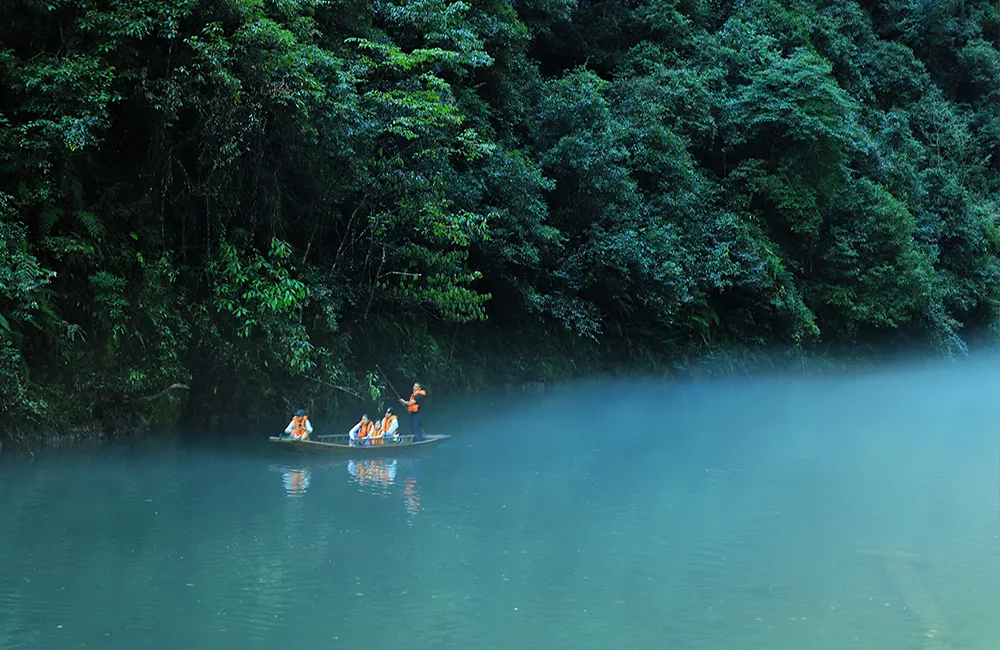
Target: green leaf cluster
{"points": [[265, 198]]}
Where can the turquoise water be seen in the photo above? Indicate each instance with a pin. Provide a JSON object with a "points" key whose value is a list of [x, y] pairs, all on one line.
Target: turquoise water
{"points": [[854, 512]]}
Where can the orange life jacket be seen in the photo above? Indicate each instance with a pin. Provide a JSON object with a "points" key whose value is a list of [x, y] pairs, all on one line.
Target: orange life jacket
{"points": [[300, 425], [386, 423], [413, 408], [376, 434], [366, 429]]}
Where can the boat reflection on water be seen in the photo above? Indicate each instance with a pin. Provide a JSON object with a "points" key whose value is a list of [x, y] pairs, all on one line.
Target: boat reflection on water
{"points": [[380, 476], [388, 478], [374, 473], [296, 481], [412, 500]]}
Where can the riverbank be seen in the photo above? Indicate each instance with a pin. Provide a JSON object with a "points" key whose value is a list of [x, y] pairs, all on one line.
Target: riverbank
{"points": [[468, 370]]}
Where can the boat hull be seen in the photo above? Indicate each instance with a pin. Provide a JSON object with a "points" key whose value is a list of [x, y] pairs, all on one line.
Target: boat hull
{"points": [[338, 445]]}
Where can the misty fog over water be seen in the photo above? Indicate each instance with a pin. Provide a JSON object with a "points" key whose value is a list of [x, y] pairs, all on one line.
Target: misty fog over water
{"points": [[859, 510]]}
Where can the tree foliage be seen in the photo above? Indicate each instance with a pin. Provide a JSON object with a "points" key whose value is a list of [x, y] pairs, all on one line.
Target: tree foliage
{"points": [[265, 198]]}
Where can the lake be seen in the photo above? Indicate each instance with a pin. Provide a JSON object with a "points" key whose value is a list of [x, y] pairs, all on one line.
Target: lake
{"points": [[855, 511]]}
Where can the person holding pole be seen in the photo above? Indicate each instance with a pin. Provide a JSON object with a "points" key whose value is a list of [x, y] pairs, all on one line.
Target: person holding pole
{"points": [[413, 405]]}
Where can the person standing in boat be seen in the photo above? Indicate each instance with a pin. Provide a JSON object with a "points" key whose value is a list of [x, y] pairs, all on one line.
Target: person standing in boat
{"points": [[300, 427], [389, 426], [361, 431], [414, 406]]}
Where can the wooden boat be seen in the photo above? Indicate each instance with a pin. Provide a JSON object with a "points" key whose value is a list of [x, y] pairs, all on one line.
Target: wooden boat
{"points": [[338, 444]]}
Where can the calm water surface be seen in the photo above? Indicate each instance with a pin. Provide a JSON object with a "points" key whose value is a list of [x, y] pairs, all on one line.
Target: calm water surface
{"points": [[856, 512]]}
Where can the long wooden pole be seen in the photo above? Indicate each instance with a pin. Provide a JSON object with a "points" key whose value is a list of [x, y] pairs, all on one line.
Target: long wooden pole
{"points": [[388, 383]]}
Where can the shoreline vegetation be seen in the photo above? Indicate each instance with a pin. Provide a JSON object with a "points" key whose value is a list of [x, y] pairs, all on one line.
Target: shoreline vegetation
{"points": [[220, 211]]}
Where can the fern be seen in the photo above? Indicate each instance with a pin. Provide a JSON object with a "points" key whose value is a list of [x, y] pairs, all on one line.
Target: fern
{"points": [[48, 219], [50, 216], [73, 330], [28, 275], [92, 223]]}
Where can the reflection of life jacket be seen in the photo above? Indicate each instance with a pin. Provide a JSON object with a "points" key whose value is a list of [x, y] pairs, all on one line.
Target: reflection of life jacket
{"points": [[366, 429], [296, 482], [373, 471], [413, 408], [412, 498], [300, 425], [377, 472]]}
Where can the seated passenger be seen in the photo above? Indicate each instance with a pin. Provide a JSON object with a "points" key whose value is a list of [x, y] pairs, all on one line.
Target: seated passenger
{"points": [[361, 431], [376, 435], [390, 425], [299, 428]]}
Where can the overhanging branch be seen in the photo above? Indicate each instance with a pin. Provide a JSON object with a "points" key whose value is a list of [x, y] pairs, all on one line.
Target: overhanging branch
{"points": [[168, 389]]}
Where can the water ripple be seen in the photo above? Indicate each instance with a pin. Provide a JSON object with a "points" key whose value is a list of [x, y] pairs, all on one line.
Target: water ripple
{"points": [[839, 528]]}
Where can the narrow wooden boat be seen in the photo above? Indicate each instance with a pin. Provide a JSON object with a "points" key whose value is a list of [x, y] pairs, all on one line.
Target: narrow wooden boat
{"points": [[338, 444]]}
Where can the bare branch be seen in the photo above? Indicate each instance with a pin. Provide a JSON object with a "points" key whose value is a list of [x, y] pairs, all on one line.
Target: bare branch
{"points": [[171, 387], [320, 381]]}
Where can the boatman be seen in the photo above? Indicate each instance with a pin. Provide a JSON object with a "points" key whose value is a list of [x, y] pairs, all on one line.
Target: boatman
{"points": [[413, 405], [299, 428]]}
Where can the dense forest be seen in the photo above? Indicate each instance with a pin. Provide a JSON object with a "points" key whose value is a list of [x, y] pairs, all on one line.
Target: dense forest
{"points": [[262, 200]]}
